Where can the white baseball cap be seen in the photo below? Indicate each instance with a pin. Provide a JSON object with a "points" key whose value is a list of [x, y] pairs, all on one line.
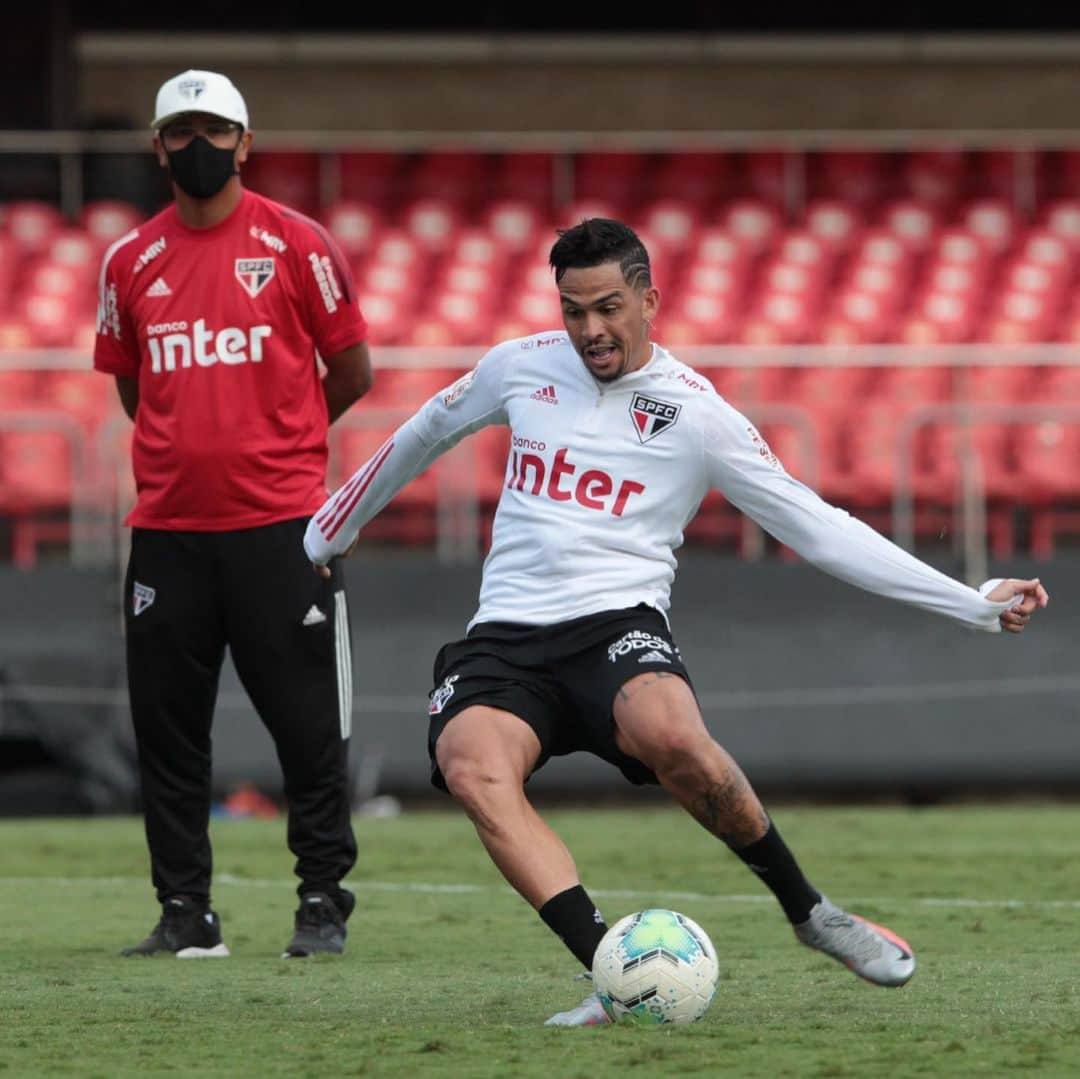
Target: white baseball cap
{"points": [[199, 91]]}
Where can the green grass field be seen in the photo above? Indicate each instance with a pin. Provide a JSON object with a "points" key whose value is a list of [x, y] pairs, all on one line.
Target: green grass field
{"points": [[449, 973]]}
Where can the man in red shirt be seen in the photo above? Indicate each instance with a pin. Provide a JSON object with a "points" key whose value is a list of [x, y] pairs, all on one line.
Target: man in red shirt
{"points": [[210, 317]]}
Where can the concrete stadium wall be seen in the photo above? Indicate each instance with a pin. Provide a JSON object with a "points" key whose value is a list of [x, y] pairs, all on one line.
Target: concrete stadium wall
{"points": [[814, 686], [519, 87]]}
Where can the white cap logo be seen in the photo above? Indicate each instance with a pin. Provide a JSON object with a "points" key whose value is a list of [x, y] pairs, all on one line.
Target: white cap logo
{"points": [[191, 88], [199, 91]]}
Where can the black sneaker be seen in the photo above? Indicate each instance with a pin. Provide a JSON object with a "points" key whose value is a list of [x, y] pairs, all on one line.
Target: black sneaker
{"points": [[186, 930], [320, 924]]}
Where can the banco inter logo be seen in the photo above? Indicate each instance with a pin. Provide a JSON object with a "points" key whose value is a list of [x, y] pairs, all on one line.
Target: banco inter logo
{"points": [[175, 344], [652, 416]]}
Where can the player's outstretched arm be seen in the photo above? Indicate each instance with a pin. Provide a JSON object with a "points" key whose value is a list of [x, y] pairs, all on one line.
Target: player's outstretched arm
{"points": [[749, 475], [472, 402]]}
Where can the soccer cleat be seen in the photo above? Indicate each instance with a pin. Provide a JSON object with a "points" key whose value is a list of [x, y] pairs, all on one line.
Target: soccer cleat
{"points": [[870, 951], [186, 930], [320, 925], [589, 1013]]}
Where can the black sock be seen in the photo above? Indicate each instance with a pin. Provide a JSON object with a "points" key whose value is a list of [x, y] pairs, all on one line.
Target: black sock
{"points": [[573, 916], [775, 865]]}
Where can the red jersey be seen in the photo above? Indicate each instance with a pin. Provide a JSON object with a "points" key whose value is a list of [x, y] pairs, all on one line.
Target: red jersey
{"points": [[221, 326]]}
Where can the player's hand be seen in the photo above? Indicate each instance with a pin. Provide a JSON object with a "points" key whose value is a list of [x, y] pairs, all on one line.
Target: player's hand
{"points": [[1033, 596], [324, 571]]}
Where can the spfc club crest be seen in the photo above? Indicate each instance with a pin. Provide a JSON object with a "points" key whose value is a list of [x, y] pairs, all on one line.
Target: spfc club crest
{"points": [[254, 274], [652, 416]]}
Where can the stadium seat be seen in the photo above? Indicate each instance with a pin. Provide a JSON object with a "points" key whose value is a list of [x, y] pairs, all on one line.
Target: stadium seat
{"points": [[33, 225], [83, 395], [753, 223], [834, 223], [387, 318], [18, 389], [528, 176], [857, 177], [106, 220], [354, 225], [913, 222], [579, 209], [290, 177], [713, 316], [515, 223], [1048, 463], [701, 178], [938, 176], [457, 177], [431, 222], [672, 222], [370, 177], [617, 177], [766, 175], [75, 248], [993, 221], [50, 319], [1061, 217]]}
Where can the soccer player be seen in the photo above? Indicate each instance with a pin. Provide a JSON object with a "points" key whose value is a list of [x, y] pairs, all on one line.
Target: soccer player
{"points": [[614, 445], [210, 316]]}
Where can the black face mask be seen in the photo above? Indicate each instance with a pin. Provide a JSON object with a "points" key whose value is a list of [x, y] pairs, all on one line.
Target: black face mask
{"points": [[201, 169]]}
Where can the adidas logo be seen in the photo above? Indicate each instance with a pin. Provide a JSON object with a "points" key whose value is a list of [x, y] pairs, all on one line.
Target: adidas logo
{"points": [[654, 657], [314, 616], [545, 393], [159, 288]]}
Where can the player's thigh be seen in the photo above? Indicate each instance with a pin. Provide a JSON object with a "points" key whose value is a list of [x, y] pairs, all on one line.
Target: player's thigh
{"points": [[657, 718], [486, 743]]}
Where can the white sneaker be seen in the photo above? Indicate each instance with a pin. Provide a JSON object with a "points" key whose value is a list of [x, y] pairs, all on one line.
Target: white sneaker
{"points": [[589, 1013], [872, 952]]}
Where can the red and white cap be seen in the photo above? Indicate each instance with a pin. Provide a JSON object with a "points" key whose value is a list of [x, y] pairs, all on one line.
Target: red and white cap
{"points": [[199, 91]]}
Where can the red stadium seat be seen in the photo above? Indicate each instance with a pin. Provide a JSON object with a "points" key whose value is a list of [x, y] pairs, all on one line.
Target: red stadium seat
{"points": [[387, 318], [457, 177], [15, 333], [834, 223], [1048, 459], [753, 223], [50, 319], [83, 395], [766, 175], [913, 222], [717, 245], [18, 389], [354, 225], [33, 225], [939, 176], [371, 177], [106, 220], [289, 177], [431, 222], [713, 316], [701, 178], [387, 279], [672, 222], [75, 248], [993, 221], [515, 223], [616, 176], [857, 177], [1062, 218], [528, 176]]}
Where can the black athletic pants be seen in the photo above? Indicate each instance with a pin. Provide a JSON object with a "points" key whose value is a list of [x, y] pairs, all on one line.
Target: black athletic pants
{"points": [[187, 596]]}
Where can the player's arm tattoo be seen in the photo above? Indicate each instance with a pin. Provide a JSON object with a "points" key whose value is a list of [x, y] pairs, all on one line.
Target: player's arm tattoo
{"points": [[628, 689], [731, 811]]}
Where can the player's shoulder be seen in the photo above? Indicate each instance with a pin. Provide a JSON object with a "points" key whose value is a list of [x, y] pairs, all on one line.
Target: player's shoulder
{"points": [[280, 227], [547, 348], [684, 381], [141, 245]]}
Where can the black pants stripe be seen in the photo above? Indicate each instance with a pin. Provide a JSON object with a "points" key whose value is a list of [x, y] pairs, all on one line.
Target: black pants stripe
{"points": [[187, 597]]}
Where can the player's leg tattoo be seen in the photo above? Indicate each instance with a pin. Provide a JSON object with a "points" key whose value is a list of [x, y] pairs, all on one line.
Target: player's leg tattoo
{"points": [[630, 689], [730, 810]]}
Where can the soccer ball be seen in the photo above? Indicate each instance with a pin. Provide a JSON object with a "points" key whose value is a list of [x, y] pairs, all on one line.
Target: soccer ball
{"points": [[656, 966]]}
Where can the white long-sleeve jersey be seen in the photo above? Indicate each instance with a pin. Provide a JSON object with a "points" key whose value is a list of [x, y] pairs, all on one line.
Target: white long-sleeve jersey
{"points": [[602, 478]]}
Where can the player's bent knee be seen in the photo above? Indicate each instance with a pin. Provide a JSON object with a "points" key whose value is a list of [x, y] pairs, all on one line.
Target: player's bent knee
{"points": [[673, 748]]}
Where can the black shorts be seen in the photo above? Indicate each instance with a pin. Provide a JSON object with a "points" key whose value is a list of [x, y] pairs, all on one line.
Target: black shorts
{"points": [[560, 679]]}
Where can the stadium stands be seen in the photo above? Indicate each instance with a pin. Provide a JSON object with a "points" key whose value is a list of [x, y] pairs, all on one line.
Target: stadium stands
{"points": [[929, 247]]}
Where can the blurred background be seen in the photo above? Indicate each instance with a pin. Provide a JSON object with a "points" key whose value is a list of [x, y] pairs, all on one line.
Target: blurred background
{"points": [[866, 230]]}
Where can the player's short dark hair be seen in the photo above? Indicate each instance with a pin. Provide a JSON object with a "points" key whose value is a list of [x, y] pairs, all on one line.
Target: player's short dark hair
{"points": [[598, 240]]}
